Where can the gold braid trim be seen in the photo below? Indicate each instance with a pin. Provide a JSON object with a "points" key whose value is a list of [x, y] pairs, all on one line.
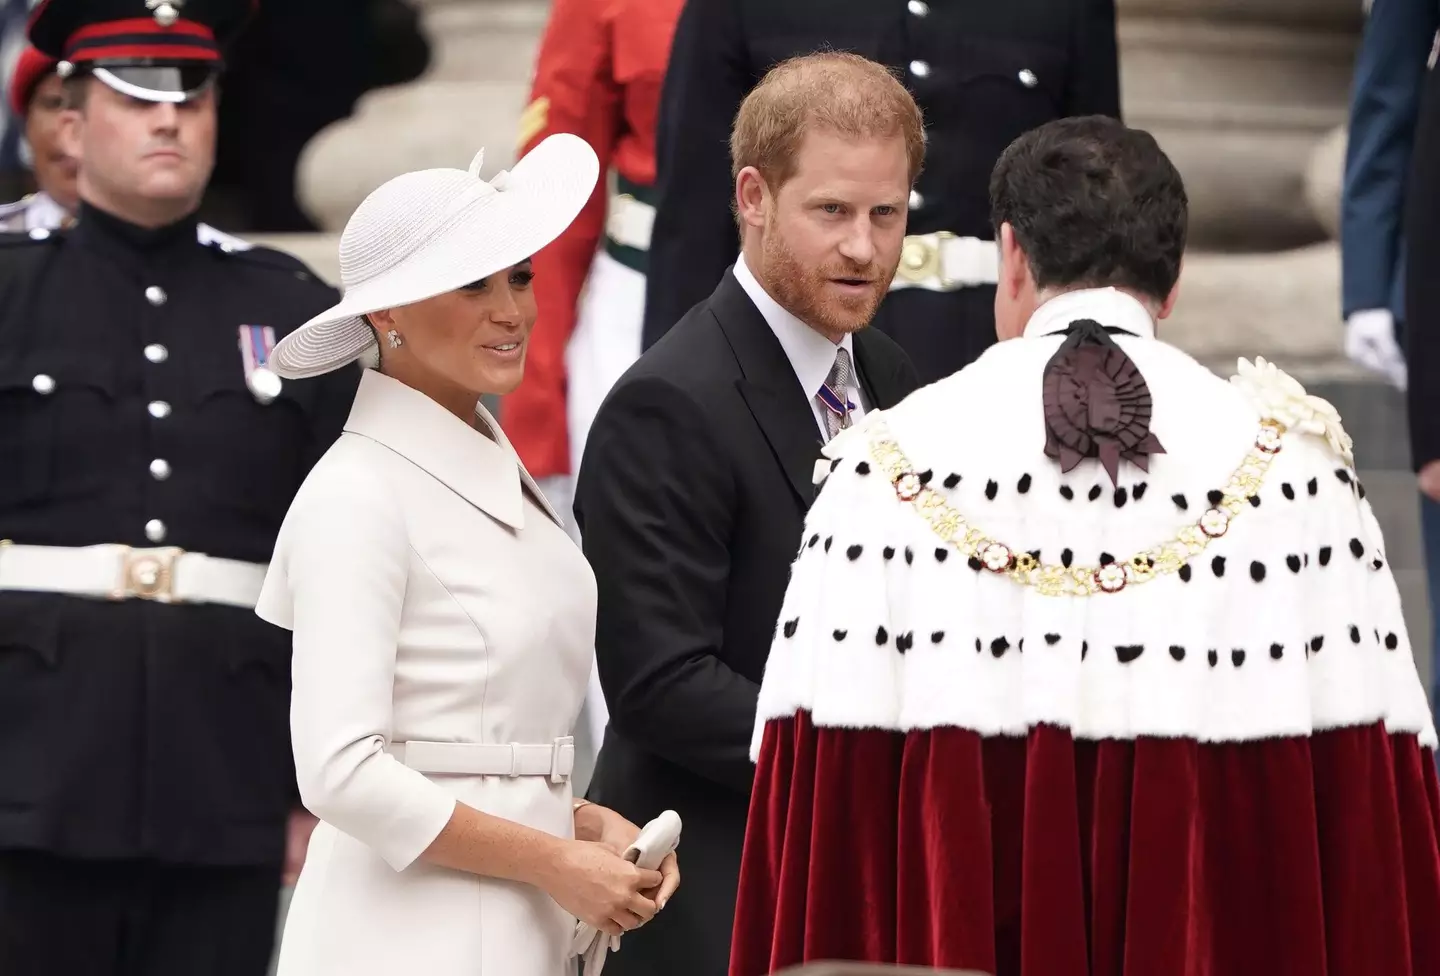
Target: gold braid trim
{"points": [[1054, 580]]}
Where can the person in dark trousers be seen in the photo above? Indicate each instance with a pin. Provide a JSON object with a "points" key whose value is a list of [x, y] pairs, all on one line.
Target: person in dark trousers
{"points": [[982, 73], [700, 464], [1390, 237], [148, 455]]}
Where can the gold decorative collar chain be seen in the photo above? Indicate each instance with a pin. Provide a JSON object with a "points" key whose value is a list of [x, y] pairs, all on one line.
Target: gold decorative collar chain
{"points": [[1055, 580]]}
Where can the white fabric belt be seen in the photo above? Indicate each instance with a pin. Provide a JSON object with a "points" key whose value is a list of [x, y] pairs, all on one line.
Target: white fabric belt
{"points": [[555, 759], [116, 572], [630, 221], [944, 262]]}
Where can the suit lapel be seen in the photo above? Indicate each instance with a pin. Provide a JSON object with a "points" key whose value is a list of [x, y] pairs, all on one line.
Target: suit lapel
{"points": [[769, 387], [881, 382]]}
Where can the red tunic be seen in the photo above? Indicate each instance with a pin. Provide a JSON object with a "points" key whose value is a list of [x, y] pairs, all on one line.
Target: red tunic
{"points": [[1226, 768], [598, 75]]}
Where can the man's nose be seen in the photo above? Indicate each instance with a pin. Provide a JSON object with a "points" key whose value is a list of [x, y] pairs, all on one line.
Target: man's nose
{"points": [[859, 244], [164, 117]]}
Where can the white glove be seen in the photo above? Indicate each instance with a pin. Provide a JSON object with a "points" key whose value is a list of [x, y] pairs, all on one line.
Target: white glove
{"points": [[1370, 342]]}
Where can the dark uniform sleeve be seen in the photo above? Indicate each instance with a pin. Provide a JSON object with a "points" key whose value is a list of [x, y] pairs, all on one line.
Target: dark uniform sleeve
{"points": [[655, 505], [1095, 83], [694, 237]]}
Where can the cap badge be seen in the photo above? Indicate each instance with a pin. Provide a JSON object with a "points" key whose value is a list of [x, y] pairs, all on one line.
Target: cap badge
{"points": [[166, 11]]}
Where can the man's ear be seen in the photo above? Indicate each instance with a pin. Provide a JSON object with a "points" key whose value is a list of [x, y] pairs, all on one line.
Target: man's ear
{"points": [[71, 124], [752, 198], [1014, 265], [1174, 296]]}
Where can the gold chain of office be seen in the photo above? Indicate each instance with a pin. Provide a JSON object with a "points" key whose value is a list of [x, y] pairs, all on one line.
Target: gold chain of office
{"points": [[1056, 580]]}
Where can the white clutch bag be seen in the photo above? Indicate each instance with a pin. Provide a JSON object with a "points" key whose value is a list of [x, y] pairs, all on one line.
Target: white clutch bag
{"points": [[658, 838]]}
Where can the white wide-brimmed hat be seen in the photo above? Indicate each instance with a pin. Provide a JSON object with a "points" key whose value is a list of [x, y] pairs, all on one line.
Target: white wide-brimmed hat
{"points": [[432, 231]]}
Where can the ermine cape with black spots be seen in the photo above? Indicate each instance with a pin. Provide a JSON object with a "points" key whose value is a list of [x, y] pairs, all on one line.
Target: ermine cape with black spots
{"points": [[1026, 722]]}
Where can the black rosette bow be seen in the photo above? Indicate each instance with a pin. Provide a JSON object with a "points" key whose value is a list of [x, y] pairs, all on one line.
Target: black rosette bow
{"points": [[1097, 404]]}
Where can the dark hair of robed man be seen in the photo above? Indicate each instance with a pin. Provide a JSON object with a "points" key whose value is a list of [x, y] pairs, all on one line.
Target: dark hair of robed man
{"points": [[1093, 203]]}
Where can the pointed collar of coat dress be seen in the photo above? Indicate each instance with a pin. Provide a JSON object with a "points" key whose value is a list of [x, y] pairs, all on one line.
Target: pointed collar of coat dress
{"points": [[1108, 306], [486, 473]]}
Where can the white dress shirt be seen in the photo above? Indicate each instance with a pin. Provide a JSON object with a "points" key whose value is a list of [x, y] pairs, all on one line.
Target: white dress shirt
{"points": [[811, 355]]}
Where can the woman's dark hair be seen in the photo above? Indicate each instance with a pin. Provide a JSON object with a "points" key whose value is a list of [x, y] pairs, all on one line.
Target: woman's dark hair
{"points": [[1093, 204]]}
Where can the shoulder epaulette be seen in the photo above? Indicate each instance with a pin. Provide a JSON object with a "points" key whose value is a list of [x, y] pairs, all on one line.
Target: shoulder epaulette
{"points": [[1280, 397], [276, 260], [213, 237], [16, 206]]}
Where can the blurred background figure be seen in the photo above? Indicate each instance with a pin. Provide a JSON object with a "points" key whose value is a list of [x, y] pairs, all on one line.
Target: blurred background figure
{"points": [[301, 66], [1390, 291], [982, 74], [36, 97], [598, 75]]}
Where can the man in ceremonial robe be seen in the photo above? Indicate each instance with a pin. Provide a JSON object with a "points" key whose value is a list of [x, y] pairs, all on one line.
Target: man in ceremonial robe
{"points": [[1114, 682]]}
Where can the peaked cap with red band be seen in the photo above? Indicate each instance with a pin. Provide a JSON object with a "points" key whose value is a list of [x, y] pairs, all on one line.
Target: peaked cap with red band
{"points": [[30, 69], [155, 50]]}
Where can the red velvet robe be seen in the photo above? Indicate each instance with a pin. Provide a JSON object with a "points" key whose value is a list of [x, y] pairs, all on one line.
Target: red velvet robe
{"points": [[1225, 770]]}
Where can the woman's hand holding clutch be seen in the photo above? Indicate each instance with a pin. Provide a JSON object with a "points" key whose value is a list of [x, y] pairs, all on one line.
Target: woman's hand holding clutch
{"points": [[603, 825], [599, 887]]}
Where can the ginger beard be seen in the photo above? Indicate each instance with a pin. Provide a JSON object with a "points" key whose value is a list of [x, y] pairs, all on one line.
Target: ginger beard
{"points": [[808, 293]]}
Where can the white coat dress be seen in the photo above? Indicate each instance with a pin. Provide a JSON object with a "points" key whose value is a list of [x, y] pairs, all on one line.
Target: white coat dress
{"points": [[434, 598]]}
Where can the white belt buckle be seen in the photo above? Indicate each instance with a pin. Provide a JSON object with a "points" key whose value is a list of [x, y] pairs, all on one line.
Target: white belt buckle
{"points": [[557, 750], [148, 574], [922, 258]]}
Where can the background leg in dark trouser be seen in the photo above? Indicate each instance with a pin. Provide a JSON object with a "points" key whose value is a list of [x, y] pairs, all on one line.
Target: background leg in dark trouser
{"points": [[62, 917]]}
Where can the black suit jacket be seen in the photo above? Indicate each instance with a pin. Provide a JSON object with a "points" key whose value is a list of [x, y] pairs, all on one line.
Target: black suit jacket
{"points": [[691, 501], [982, 74]]}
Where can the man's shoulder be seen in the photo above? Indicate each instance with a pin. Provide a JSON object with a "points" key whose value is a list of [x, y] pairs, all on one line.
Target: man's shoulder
{"points": [[258, 257], [276, 273]]}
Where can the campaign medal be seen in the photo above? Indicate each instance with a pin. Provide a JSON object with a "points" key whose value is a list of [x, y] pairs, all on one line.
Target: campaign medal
{"points": [[256, 344]]}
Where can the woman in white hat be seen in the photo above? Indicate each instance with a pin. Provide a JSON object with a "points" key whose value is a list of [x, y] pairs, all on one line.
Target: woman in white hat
{"points": [[443, 620]]}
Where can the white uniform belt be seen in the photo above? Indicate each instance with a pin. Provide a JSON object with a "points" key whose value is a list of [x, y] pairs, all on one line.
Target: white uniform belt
{"points": [[944, 262], [630, 221], [116, 572], [555, 759]]}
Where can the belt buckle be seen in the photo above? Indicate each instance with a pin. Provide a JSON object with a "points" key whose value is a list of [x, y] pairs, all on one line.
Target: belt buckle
{"points": [[922, 258], [149, 574], [557, 749]]}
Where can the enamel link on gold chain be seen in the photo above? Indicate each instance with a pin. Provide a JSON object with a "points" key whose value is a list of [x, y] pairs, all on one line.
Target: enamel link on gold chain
{"points": [[1050, 579]]}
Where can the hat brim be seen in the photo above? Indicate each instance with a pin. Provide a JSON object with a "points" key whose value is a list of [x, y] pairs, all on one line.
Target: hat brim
{"points": [[541, 196]]}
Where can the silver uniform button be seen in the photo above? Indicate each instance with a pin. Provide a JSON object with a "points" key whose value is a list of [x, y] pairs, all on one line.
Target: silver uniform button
{"points": [[918, 8], [1027, 78], [155, 530], [39, 233], [917, 200], [43, 384], [159, 409], [160, 469], [920, 69], [155, 295], [156, 353]]}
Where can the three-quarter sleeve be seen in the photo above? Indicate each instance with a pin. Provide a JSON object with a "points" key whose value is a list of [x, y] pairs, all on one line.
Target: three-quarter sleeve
{"points": [[338, 582]]}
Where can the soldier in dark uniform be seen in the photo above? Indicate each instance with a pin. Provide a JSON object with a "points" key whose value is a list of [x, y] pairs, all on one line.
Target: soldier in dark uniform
{"points": [[147, 458], [982, 73]]}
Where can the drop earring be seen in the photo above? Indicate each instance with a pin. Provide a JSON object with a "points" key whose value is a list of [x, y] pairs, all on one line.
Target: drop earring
{"points": [[394, 338]]}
